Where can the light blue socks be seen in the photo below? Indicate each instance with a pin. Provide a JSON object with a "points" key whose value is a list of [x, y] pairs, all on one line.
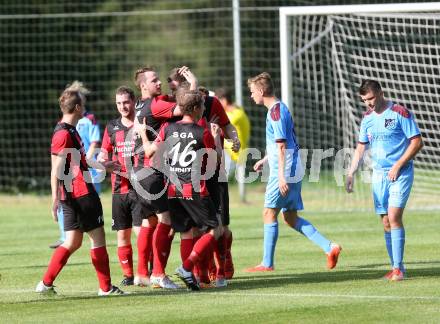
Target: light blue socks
{"points": [[387, 236], [309, 231], [398, 246], [270, 241]]}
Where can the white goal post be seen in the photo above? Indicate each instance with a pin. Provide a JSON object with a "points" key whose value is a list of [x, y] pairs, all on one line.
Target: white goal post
{"points": [[285, 36], [326, 52]]}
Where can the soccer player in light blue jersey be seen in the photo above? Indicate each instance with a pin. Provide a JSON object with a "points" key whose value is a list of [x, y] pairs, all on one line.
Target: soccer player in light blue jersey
{"points": [[88, 129], [394, 140], [283, 190]]}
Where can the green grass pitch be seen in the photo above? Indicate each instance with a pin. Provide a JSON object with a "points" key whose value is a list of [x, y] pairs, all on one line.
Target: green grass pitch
{"points": [[301, 290]]}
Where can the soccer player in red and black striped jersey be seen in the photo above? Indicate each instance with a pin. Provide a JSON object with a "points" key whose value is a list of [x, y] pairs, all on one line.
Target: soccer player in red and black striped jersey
{"points": [[127, 212], [217, 185], [152, 110], [187, 146], [73, 189]]}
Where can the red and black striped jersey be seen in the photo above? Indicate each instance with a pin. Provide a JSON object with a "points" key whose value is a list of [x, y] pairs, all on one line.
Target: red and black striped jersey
{"points": [[67, 143], [116, 143], [184, 144], [155, 111], [213, 108]]}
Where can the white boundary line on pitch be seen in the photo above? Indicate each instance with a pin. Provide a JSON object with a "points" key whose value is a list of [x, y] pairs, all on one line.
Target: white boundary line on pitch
{"points": [[25, 291], [327, 296], [71, 293]]}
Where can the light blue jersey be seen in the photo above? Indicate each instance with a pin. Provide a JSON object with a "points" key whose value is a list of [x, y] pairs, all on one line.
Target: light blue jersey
{"points": [[388, 134], [88, 129], [280, 128]]}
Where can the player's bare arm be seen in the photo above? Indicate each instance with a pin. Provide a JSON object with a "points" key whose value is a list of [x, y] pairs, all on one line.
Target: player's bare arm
{"points": [[177, 111], [231, 133], [214, 119], [357, 157], [102, 163], [215, 131], [414, 147], [57, 164], [92, 148], [102, 156], [189, 76], [282, 184], [151, 150], [259, 164], [141, 130]]}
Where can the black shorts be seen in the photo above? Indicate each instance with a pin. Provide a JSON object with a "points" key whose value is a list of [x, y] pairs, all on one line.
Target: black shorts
{"points": [[127, 211], [219, 192], [83, 213], [152, 185], [197, 212]]}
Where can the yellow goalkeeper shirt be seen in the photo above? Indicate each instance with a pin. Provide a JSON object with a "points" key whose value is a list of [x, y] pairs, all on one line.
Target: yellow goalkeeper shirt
{"points": [[240, 121]]}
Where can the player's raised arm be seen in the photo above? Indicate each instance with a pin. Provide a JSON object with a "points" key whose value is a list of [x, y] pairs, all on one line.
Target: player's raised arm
{"points": [[189, 77]]}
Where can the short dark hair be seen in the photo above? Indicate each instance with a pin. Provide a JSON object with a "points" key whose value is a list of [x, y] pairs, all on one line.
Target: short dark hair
{"points": [[204, 91], [188, 100], [139, 74], [126, 90], [369, 85], [224, 93], [68, 101]]}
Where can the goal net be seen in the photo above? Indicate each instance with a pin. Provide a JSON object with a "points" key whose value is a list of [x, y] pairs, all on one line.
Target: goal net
{"points": [[326, 52]]}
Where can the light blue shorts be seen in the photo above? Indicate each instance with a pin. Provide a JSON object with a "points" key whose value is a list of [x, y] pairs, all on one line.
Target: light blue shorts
{"points": [[274, 199], [391, 194], [95, 180]]}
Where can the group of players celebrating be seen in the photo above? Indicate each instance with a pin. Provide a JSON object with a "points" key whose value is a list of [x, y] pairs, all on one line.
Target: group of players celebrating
{"points": [[164, 153], [159, 153]]}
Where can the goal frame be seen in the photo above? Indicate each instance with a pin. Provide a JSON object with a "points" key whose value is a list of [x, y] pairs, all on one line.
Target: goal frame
{"points": [[286, 40]]}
